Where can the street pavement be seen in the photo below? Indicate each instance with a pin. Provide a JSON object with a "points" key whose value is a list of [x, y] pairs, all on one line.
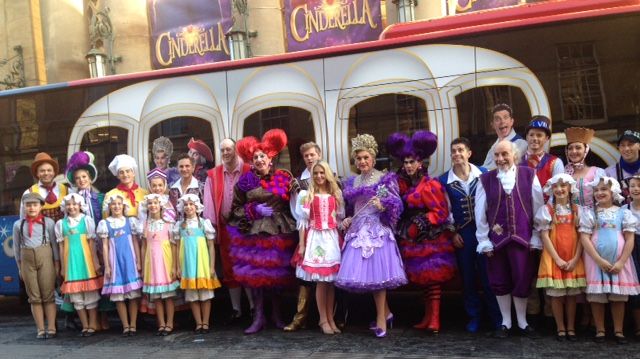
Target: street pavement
{"points": [[17, 338]]}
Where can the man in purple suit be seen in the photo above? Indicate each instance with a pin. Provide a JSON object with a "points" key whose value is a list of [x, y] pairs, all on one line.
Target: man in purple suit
{"points": [[507, 200]]}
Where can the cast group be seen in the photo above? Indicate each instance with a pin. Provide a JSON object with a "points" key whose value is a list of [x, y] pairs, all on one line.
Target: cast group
{"points": [[521, 224]]}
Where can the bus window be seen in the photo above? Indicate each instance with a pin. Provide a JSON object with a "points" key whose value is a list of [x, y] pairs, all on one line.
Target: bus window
{"points": [[105, 143], [296, 122], [383, 115], [474, 115], [179, 130]]}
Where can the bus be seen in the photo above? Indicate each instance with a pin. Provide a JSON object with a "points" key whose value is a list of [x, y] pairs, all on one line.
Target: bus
{"points": [[575, 61]]}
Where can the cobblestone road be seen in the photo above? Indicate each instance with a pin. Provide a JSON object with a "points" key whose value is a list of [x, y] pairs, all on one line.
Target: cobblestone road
{"points": [[17, 340]]}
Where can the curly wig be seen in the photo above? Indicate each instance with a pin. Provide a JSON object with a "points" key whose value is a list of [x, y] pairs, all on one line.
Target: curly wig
{"points": [[273, 141]]}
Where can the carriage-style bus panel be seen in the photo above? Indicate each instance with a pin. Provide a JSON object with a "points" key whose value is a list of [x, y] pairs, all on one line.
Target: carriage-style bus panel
{"points": [[327, 90]]}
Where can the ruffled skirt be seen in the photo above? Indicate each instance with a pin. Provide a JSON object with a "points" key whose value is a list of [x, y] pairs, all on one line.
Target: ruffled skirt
{"points": [[262, 260], [430, 261], [370, 259]]}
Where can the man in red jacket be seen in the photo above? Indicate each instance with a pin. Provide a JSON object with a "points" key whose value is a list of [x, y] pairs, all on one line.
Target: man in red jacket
{"points": [[218, 195]]}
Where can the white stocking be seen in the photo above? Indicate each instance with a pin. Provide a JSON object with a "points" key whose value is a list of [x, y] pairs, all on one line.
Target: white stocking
{"points": [[504, 302], [521, 311]]}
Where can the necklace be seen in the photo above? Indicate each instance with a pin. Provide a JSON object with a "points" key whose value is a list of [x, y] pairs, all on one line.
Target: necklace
{"points": [[367, 179]]}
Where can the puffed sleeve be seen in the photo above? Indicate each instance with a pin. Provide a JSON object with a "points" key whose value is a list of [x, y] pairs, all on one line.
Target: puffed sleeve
{"points": [[387, 191], [542, 220], [175, 232], [629, 221], [135, 226], [91, 227], [102, 230], [299, 212], [587, 222], [142, 213], [58, 230], [169, 213], [209, 231]]}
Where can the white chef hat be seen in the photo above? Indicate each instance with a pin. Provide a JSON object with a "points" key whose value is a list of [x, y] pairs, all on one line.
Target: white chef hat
{"points": [[122, 161]]}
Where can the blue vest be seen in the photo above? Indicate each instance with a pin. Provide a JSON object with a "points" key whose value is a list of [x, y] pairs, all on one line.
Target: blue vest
{"points": [[462, 205]]}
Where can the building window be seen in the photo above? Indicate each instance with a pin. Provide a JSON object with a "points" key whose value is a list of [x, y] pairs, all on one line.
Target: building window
{"points": [[580, 84], [406, 10]]}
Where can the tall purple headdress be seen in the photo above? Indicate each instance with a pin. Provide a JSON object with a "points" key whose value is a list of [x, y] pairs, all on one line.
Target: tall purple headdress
{"points": [[420, 146]]}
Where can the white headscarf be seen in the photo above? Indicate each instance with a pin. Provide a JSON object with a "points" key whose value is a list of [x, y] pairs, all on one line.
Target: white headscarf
{"points": [[75, 198], [110, 198], [190, 197], [612, 183]]}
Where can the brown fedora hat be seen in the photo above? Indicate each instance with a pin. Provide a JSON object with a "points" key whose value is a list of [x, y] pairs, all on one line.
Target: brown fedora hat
{"points": [[41, 158]]}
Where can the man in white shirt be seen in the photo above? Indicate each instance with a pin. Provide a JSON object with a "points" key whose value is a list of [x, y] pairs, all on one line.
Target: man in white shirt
{"points": [[187, 184], [502, 123], [507, 199]]}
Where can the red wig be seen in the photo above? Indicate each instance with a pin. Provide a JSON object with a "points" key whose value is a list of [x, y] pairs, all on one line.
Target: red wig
{"points": [[273, 141]]}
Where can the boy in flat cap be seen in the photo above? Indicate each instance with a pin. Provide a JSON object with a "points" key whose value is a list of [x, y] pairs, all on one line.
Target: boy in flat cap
{"points": [[38, 259]]}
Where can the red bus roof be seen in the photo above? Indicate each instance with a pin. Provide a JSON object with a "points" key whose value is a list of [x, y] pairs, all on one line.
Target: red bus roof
{"points": [[396, 35]]}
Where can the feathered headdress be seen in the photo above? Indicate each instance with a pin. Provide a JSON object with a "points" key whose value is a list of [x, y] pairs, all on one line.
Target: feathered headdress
{"points": [[420, 146], [81, 160], [273, 141]]}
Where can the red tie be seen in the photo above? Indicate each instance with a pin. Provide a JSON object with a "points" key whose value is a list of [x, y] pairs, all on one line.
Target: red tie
{"points": [[51, 197], [129, 192], [534, 160], [31, 221]]}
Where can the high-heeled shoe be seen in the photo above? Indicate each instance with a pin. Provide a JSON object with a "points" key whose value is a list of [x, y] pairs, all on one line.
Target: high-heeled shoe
{"points": [[326, 328], [380, 333], [373, 325]]}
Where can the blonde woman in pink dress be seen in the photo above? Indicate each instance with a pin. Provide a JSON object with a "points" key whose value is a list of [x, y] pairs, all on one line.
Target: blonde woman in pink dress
{"points": [[321, 208]]}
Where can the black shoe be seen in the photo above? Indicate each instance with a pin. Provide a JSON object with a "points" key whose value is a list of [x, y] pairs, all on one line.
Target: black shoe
{"points": [[571, 336], [234, 317], [599, 337], [620, 339], [561, 335], [501, 333], [529, 332]]}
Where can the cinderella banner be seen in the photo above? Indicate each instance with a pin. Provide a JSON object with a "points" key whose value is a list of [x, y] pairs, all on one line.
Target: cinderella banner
{"points": [[464, 6], [188, 32], [312, 24]]}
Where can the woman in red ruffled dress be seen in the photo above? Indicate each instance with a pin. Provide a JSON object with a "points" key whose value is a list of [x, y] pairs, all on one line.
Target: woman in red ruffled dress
{"points": [[263, 232]]}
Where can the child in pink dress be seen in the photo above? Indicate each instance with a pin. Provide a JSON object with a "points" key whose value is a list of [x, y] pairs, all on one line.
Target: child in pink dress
{"points": [[159, 280]]}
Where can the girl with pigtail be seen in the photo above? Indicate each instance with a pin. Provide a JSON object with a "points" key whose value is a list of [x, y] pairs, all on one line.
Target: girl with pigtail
{"points": [[195, 265], [261, 227], [121, 254], [423, 233], [561, 272], [320, 208]]}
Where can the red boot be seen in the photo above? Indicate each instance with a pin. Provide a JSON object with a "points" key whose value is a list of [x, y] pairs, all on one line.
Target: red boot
{"points": [[434, 320], [424, 323]]}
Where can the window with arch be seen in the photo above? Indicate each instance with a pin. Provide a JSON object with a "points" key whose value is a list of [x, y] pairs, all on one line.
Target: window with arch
{"points": [[474, 115], [383, 115], [296, 122], [105, 143], [180, 130]]}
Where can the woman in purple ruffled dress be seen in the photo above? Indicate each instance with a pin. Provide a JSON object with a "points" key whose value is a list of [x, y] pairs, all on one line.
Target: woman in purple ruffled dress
{"points": [[370, 259], [263, 232]]}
